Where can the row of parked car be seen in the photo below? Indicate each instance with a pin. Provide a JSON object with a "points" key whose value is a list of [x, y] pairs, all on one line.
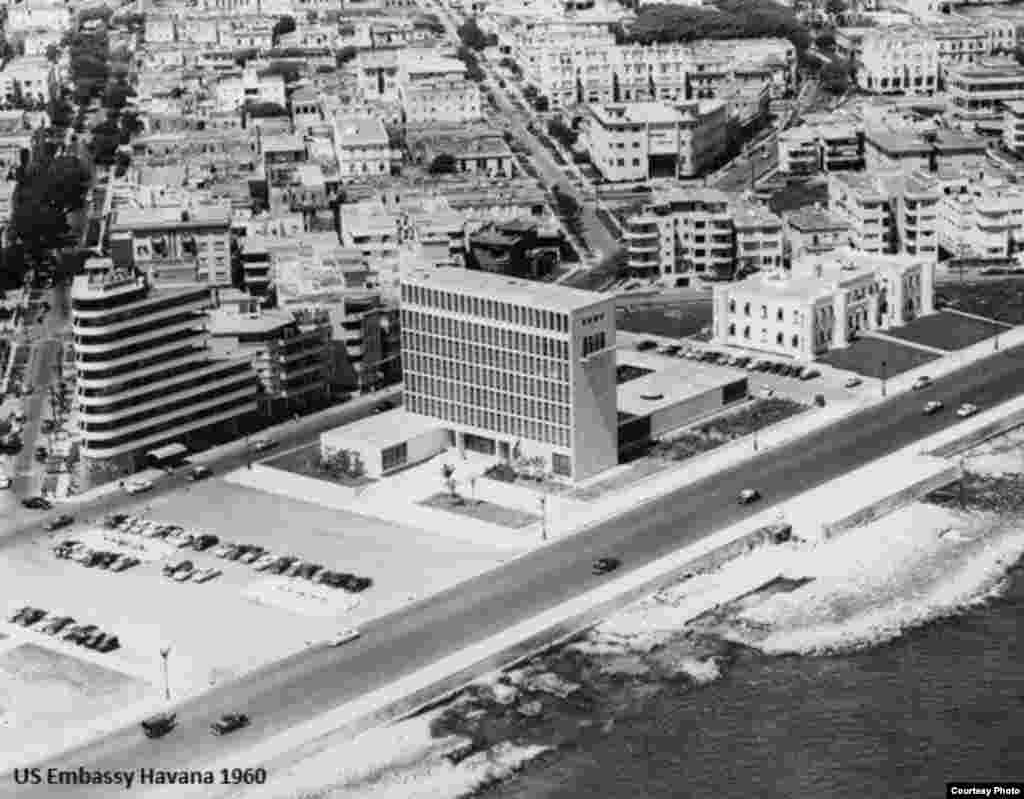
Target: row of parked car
{"points": [[185, 570], [94, 558], [170, 533], [748, 362], [87, 635]]}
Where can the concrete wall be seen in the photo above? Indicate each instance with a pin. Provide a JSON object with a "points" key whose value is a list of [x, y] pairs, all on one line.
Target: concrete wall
{"points": [[979, 436], [685, 412], [893, 502]]}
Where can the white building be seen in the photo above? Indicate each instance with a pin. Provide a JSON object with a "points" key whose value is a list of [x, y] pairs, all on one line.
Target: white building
{"points": [[251, 87], [512, 368], [898, 60], [980, 216], [363, 148], [436, 90], [638, 141], [822, 303], [146, 377]]}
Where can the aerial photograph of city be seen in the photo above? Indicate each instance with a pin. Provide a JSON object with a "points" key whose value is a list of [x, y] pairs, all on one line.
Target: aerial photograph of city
{"points": [[511, 399]]}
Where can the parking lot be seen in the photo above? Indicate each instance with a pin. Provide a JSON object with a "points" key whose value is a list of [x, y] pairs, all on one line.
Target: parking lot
{"points": [[872, 357], [947, 331]]}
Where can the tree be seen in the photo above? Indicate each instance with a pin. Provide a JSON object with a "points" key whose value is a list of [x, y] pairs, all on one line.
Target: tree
{"points": [[52, 53], [468, 57], [562, 133], [825, 41], [44, 196], [836, 8], [282, 27], [117, 95], [541, 104], [471, 35], [443, 164], [448, 477], [289, 70], [345, 54], [835, 77]]}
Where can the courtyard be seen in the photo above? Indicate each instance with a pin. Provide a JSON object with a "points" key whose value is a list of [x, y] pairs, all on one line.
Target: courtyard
{"points": [[947, 330], [872, 357]]}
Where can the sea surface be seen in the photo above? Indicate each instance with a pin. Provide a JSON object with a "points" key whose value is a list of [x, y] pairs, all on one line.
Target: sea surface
{"points": [[943, 702]]}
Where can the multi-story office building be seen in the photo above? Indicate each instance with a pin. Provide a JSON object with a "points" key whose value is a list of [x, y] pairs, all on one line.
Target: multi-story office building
{"points": [[823, 302], [981, 89], [513, 368], [200, 236], [146, 376], [898, 60], [291, 356], [637, 141]]}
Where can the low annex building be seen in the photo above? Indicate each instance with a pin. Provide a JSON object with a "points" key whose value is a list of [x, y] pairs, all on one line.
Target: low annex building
{"points": [[387, 442]]}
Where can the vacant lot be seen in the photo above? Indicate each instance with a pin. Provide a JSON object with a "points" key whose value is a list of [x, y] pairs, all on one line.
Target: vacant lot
{"points": [[947, 331], [1002, 300], [306, 461], [667, 320], [873, 357]]}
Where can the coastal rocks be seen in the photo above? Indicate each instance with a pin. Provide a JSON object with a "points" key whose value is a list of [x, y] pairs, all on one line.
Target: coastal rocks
{"points": [[550, 683], [504, 694]]}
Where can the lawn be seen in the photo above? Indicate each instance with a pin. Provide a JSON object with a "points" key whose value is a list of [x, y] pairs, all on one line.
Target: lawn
{"points": [[677, 321], [1002, 300], [947, 331], [306, 461], [867, 355], [728, 427], [480, 509]]}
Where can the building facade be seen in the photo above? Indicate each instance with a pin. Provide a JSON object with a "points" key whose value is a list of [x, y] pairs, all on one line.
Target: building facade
{"points": [[513, 369], [146, 376]]}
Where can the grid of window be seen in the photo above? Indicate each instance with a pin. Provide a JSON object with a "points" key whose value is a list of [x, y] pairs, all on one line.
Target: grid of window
{"points": [[492, 310], [494, 378]]}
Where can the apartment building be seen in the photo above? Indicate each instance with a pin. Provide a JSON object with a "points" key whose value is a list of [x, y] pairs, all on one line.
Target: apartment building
{"points": [[813, 231], [759, 238], [290, 356], [234, 92], [980, 216], [898, 60], [436, 90], [198, 236], [512, 368], [959, 42], [825, 145], [1013, 125], [638, 141], [823, 302], [146, 375], [33, 77], [888, 213], [363, 148], [981, 89]]}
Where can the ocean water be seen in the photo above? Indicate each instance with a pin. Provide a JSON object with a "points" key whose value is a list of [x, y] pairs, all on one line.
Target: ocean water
{"points": [[940, 703]]}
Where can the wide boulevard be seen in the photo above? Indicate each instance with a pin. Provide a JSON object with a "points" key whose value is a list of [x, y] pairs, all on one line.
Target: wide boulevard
{"points": [[320, 679]]}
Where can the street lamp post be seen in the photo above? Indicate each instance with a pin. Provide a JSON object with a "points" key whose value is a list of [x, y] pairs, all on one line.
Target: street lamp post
{"points": [[883, 378], [543, 518], [164, 653], [996, 341], [755, 441]]}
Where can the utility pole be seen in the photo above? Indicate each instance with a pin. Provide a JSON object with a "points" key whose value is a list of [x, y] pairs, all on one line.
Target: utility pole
{"points": [[543, 518], [883, 378], [164, 653], [755, 440], [963, 485]]}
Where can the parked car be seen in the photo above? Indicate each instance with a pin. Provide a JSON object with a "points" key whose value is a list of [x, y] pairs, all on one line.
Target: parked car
{"points": [[109, 644], [235, 552], [263, 444], [5, 481], [282, 565], [124, 563], [183, 575], [223, 550], [200, 473], [159, 725], [308, 571], [646, 344], [54, 626], [932, 407], [343, 637], [37, 503], [56, 523], [605, 565], [15, 616], [264, 562], [31, 616], [749, 495], [251, 555], [205, 575], [138, 486], [967, 409], [810, 374], [228, 723], [93, 640], [204, 541], [173, 568], [853, 382], [107, 559], [921, 383]]}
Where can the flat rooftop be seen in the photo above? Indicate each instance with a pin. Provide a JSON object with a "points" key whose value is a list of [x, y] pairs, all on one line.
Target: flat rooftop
{"points": [[384, 429], [548, 296], [672, 382]]}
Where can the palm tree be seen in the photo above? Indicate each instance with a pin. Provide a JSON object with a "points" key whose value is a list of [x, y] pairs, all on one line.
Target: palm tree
{"points": [[447, 472]]}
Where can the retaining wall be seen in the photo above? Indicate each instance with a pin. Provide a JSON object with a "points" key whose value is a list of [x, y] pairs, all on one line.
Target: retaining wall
{"points": [[893, 502], [981, 435]]}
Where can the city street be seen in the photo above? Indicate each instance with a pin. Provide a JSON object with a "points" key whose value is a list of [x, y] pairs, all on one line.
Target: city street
{"points": [[313, 682]]}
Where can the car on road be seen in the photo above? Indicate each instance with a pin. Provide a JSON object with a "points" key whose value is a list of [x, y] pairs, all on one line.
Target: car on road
{"points": [[41, 454], [54, 626], [31, 616], [922, 382], [852, 382], [37, 503], [748, 495], [228, 723], [932, 407], [810, 374], [646, 344], [123, 563], [81, 633], [967, 409], [138, 486], [200, 473], [5, 481], [343, 637], [56, 523], [605, 565], [159, 725], [205, 575], [262, 444]]}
